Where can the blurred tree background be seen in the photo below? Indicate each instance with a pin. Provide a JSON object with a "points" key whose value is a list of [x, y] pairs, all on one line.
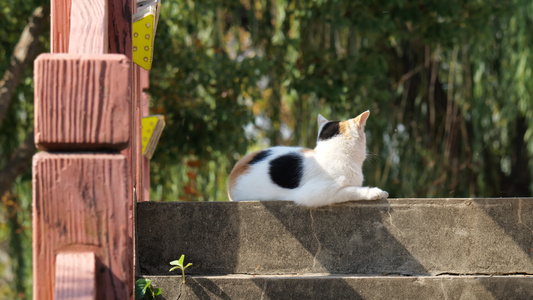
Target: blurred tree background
{"points": [[23, 35], [448, 83]]}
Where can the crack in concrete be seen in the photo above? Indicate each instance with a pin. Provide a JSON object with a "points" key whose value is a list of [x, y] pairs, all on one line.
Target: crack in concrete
{"points": [[181, 291], [520, 215], [390, 219], [316, 238], [263, 292]]}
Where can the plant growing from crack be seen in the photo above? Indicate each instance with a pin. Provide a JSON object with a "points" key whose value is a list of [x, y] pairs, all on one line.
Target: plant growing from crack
{"points": [[179, 265], [144, 289]]}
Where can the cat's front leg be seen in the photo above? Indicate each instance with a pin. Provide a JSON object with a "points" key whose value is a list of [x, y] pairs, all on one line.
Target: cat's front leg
{"points": [[350, 193], [375, 193]]}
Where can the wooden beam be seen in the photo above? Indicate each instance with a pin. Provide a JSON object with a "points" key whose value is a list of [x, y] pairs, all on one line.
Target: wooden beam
{"points": [[59, 25], [81, 200], [84, 202], [119, 26], [136, 145], [145, 160], [88, 27], [120, 41], [75, 276], [145, 79], [82, 102]]}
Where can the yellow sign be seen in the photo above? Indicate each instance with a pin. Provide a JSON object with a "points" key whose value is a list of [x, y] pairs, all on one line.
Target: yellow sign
{"points": [[143, 42], [143, 30], [152, 126]]}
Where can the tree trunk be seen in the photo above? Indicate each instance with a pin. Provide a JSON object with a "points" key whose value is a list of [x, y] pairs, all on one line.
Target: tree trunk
{"points": [[27, 48]]}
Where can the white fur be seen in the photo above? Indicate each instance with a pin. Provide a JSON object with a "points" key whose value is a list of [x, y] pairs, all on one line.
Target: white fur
{"points": [[332, 172]]}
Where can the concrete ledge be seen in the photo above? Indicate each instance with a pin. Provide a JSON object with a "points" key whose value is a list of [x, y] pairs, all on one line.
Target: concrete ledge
{"points": [[345, 287], [394, 236]]}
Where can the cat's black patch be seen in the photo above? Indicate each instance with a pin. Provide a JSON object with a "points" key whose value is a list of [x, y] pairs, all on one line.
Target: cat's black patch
{"points": [[260, 156], [287, 170], [329, 130]]}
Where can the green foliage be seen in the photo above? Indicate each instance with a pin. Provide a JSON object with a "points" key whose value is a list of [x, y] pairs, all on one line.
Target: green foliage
{"points": [[19, 120], [15, 207], [144, 289], [179, 265], [448, 85], [15, 227], [202, 92]]}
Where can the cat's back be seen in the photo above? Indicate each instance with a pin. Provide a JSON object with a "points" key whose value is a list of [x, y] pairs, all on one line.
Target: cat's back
{"points": [[267, 169]]}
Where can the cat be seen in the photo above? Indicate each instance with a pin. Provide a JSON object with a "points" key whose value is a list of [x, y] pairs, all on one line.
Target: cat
{"points": [[330, 173]]}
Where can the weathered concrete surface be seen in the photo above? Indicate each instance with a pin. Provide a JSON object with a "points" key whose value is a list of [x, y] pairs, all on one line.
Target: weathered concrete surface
{"points": [[394, 236], [345, 287]]}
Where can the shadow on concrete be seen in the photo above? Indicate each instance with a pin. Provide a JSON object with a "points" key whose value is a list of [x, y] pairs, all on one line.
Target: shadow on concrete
{"points": [[343, 239], [209, 238], [348, 238], [320, 288], [271, 287], [229, 238], [270, 238], [515, 217], [278, 237], [205, 288], [279, 288], [514, 288]]}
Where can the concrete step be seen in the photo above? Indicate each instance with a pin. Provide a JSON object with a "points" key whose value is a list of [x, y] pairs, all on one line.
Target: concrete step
{"points": [[396, 236], [336, 287]]}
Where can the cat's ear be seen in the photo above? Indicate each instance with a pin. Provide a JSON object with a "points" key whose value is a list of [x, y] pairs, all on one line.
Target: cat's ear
{"points": [[360, 120], [321, 120]]}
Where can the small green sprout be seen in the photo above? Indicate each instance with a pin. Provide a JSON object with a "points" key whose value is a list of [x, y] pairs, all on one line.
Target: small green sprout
{"points": [[179, 265], [143, 289]]}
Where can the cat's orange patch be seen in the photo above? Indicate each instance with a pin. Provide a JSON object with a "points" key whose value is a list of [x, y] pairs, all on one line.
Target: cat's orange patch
{"points": [[240, 168], [344, 127]]}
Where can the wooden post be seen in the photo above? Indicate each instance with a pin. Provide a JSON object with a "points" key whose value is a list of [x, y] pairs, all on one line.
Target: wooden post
{"points": [[75, 280], [82, 102], [88, 28], [87, 110], [145, 103], [59, 25], [79, 205]]}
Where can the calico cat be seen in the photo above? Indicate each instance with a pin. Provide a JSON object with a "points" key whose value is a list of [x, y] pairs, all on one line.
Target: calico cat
{"points": [[331, 173]]}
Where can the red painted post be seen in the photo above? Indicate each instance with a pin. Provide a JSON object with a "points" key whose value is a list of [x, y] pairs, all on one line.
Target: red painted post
{"points": [[145, 102], [136, 146], [83, 202], [75, 280], [76, 104], [59, 25], [88, 30], [79, 204]]}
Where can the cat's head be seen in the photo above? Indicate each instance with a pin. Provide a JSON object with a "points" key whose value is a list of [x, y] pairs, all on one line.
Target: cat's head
{"points": [[348, 135]]}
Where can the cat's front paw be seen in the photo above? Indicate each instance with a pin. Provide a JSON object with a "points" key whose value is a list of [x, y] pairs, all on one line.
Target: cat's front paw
{"points": [[377, 194]]}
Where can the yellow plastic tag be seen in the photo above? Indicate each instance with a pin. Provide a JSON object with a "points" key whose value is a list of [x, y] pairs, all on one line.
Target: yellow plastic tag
{"points": [[151, 129], [143, 41], [148, 126]]}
